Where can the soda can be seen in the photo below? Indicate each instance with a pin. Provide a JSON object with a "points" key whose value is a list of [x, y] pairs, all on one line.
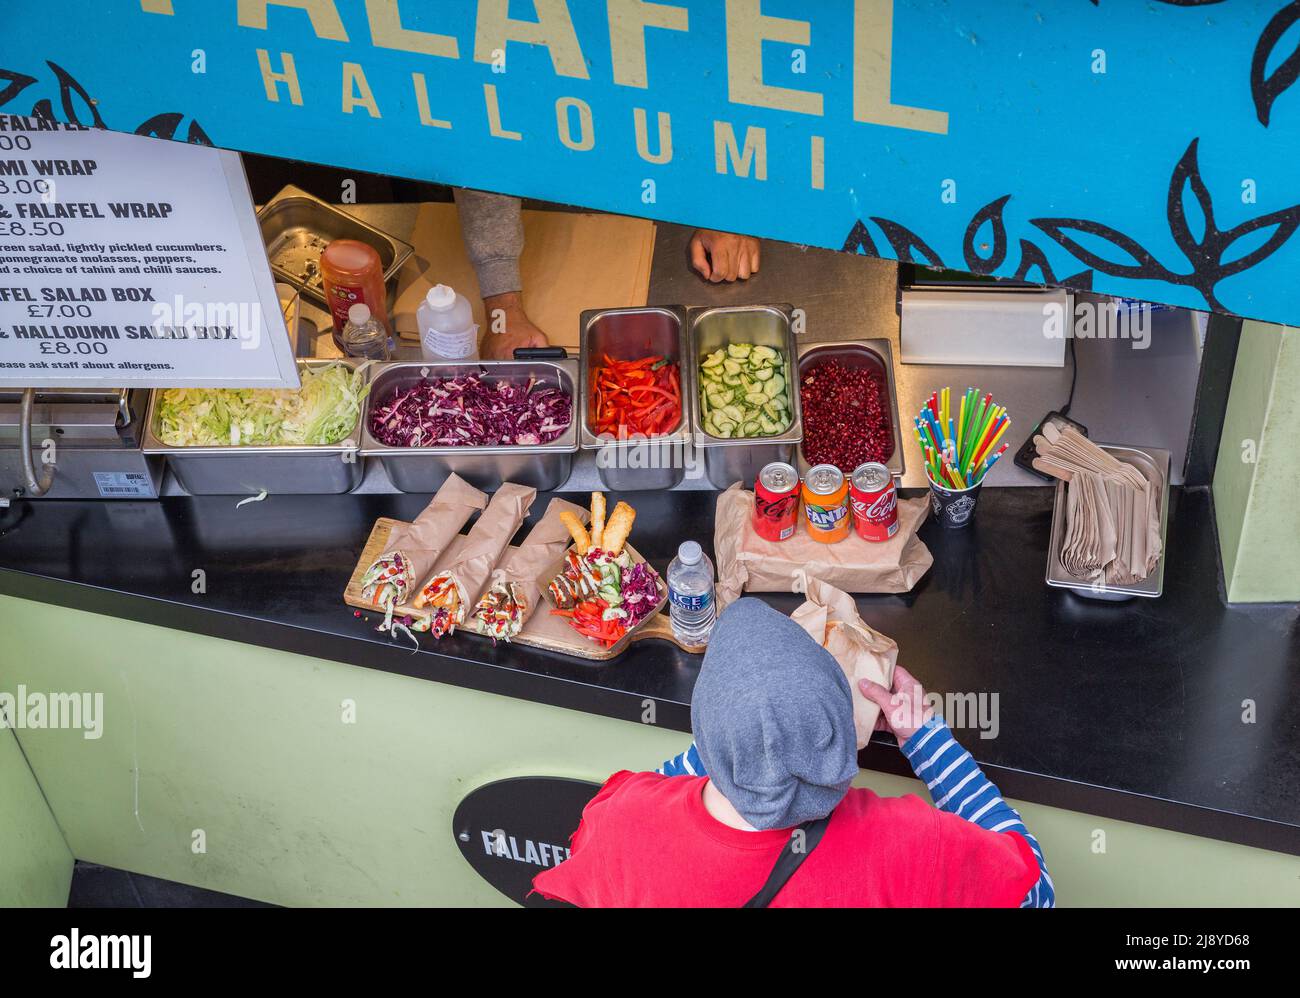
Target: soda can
{"points": [[776, 502], [826, 503], [874, 501]]}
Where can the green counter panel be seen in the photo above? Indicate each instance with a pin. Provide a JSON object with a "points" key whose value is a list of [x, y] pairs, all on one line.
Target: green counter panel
{"points": [[35, 864], [232, 767], [1257, 475]]}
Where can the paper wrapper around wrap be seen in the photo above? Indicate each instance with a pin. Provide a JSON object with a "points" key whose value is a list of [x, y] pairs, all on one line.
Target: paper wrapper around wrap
{"points": [[831, 619], [486, 541], [748, 563], [544, 545], [424, 540]]}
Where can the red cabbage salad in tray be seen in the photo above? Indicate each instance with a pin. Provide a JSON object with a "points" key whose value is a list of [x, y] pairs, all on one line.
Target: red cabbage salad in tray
{"points": [[470, 410]]}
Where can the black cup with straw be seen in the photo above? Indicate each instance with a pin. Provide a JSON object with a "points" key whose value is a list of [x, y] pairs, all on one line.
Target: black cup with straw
{"points": [[959, 450]]}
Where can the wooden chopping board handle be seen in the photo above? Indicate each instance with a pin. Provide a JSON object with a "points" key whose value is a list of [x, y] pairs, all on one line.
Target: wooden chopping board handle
{"points": [[661, 628]]}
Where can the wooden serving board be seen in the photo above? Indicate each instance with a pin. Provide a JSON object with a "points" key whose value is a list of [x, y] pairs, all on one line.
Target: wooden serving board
{"points": [[542, 629]]}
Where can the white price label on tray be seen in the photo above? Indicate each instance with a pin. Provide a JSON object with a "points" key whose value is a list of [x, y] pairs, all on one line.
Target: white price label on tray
{"points": [[119, 484]]}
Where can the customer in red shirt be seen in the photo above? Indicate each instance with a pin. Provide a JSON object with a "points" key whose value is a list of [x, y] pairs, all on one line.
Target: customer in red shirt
{"points": [[772, 716]]}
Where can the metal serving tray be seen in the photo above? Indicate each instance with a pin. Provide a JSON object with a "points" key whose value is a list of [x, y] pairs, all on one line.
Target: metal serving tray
{"points": [[657, 462], [424, 469], [874, 354], [279, 469], [297, 226], [728, 460], [1146, 459]]}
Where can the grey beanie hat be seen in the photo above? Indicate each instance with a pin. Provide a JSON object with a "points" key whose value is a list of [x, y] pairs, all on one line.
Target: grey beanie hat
{"points": [[772, 715]]}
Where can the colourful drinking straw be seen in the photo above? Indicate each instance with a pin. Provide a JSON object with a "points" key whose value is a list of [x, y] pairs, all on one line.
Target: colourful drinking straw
{"points": [[924, 428], [986, 415], [960, 443], [996, 437], [990, 461], [975, 428], [986, 435], [935, 430]]}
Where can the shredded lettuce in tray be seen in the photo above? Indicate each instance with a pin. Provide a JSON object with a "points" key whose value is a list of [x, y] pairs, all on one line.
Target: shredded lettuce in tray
{"points": [[323, 411]]}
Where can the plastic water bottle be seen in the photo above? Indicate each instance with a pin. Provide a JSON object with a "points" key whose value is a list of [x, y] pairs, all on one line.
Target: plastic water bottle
{"points": [[690, 594], [364, 335], [447, 327]]}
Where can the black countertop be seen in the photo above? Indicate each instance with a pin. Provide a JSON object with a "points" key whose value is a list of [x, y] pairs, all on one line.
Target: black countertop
{"points": [[1131, 711]]}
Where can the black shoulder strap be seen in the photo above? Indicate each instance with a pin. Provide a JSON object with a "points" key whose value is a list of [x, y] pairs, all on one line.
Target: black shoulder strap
{"points": [[803, 840]]}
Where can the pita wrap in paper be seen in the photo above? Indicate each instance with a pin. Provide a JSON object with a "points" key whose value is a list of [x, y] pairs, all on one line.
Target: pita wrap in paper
{"points": [[831, 619], [748, 563], [466, 574], [421, 542], [513, 585]]}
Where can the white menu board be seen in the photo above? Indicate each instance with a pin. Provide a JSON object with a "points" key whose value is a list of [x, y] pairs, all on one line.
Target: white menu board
{"points": [[128, 261]]}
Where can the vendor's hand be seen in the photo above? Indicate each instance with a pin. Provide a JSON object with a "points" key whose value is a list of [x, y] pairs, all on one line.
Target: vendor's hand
{"points": [[902, 709], [508, 328], [724, 256]]}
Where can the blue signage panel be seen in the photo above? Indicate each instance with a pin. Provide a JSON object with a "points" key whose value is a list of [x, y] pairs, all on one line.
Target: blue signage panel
{"points": [[1146, 149]]}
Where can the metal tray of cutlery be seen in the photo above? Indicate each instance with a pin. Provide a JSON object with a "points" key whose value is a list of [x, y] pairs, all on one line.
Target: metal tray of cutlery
{"points": [[1148, 460]]}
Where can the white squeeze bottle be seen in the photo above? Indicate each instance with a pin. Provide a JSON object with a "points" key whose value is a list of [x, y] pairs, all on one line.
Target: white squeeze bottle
{"points": [[690, 594], [447, 327]]}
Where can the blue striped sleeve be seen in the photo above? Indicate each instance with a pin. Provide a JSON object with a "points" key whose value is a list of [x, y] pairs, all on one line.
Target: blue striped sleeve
{"points": [[686, 764], [958, 785]]}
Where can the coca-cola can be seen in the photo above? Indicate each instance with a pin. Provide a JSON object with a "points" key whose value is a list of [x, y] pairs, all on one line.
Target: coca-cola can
{"points": [[874, 501], [776, 501]]}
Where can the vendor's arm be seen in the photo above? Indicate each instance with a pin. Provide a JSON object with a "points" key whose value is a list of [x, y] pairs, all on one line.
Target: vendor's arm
{"points": [[955, 781], [724, 256], [492, 227]]}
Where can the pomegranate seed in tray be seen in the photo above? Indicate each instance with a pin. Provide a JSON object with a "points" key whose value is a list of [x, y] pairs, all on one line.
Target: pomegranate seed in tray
{"points": [[845, 415]]}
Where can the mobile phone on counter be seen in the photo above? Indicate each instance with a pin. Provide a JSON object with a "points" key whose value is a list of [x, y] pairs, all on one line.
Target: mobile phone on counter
{"points": [[1025, 456]]}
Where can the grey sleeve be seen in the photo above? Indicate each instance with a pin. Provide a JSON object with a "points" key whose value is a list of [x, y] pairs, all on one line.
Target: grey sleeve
{"points": [[493, 230]]}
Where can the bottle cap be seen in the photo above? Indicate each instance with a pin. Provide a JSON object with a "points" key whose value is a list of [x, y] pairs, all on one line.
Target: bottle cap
{"points": [[441, 296], [359, 314], [689, 553]]}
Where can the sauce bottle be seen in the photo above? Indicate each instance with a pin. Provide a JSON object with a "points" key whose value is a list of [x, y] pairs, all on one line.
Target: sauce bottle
{"points": [[447, 327], [352, 274]]}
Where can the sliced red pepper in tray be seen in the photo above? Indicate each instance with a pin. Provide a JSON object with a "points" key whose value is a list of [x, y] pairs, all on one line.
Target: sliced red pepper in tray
{"points": [[636, 397]]}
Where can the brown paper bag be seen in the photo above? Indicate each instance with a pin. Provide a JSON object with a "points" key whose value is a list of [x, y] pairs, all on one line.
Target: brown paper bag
{"points": [[421, 542], [831, 619], [748, 563], [513, 592], [455, 586]]}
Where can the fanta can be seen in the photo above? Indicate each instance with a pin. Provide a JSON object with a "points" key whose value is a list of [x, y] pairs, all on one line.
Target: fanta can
{"points": [[826, 503]]}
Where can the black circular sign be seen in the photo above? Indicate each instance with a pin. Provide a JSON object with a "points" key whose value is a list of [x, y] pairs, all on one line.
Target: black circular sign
{"points": [[511, 830]]}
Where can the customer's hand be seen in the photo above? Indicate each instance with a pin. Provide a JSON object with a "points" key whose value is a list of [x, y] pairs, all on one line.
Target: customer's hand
{"points": [[724, 256], [508, 328], [902, 709]]}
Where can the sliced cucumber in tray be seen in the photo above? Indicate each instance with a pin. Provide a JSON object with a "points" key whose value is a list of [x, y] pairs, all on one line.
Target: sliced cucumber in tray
{"points": [[742, 392]]}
